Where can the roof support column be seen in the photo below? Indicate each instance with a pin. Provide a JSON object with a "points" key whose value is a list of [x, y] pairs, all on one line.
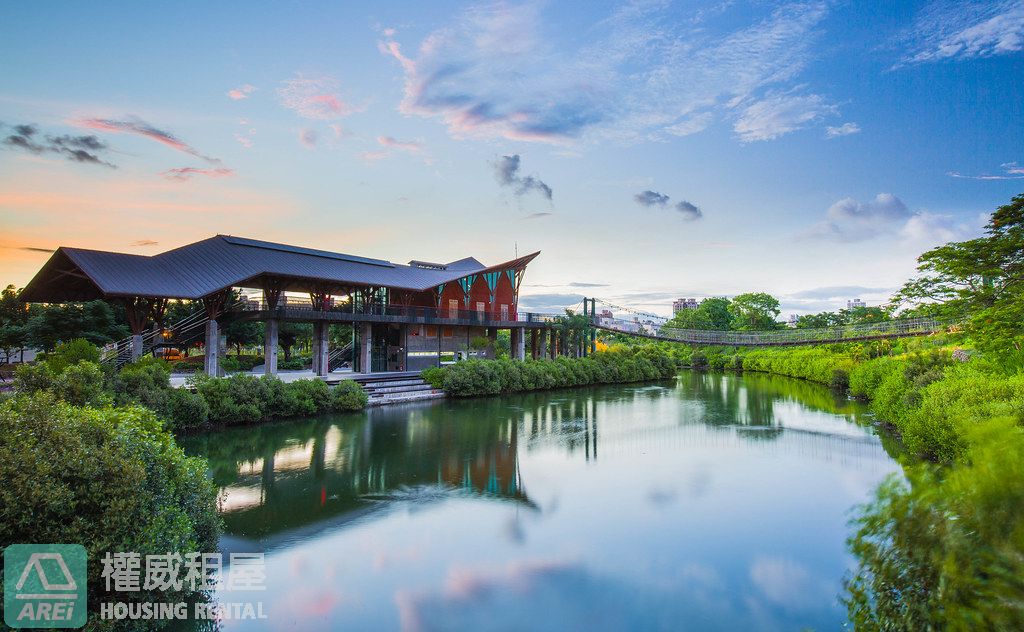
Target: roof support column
{"points": [[137, 310], [366, 347], [321, 347], [214, 304], [271, 333], [211, 346]]}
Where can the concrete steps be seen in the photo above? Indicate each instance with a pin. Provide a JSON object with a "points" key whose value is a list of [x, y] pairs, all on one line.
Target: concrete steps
{"points": [[397, 389]]}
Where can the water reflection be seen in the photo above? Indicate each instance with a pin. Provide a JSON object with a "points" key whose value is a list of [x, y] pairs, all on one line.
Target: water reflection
{"points": [[714, 499]]}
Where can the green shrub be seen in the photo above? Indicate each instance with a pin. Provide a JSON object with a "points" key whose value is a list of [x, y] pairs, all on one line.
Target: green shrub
{"points": [[81, 385], [840, 380], [490, 377], [186, 367], [295, 364], [310, 397], [145, 382], [348, 395], [32, 378], [185, 410], [70, 353], [944, 551], [109, 479], [433, 376]]}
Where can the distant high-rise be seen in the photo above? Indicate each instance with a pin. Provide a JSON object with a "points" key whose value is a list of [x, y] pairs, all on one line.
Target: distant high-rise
{"points": [[855, 303], [680, 304]]}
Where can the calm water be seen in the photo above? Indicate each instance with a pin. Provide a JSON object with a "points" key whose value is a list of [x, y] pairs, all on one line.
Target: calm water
{"points": [[711, 502]]}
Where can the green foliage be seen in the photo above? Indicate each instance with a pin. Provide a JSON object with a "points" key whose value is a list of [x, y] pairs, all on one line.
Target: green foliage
{"points": [[185, 410], [433, 376], [32, 378], [754, 311], [94, 321], [712, 313], [295, 364], [13, 323], [110, 479], [145, 382], [944, 551], [72, 352], [490, 377], [348, 396], [81, 384], [244, 399], [980, 280], [817, 364]]}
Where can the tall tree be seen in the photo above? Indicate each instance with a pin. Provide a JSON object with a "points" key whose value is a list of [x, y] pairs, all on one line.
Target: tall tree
{"points": [[95, 321], [978, 281], [712, 313], [754, 311], [13, 320]]}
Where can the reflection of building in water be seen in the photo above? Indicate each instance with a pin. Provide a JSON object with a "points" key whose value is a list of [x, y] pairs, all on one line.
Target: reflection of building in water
{"points": [[334, 472]]}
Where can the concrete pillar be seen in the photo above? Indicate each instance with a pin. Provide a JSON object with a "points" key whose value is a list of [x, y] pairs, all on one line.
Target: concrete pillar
{"points": [[321, 347], [542, 346], [492, 345], [517, 335], [533, 344], [404, 355], [366, 346], [325, 348], [553, 347], [270, 337], [211, 347], [136, 347]]}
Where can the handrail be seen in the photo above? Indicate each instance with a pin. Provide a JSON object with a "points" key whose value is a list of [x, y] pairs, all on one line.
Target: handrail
{"points": [[884, 329]]}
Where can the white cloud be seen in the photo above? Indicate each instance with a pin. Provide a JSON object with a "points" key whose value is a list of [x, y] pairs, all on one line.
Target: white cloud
{"points": [[966, 30], [1011, 171], [886, 215], [845, 129], [925, 230], [850, 220], [780, 114], [314, 97], [502, 71]]}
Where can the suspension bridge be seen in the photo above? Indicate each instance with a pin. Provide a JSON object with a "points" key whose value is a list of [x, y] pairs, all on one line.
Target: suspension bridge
{"points": [[654, 328]]}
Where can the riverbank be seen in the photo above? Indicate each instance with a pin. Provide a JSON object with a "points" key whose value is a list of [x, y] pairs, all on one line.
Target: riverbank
{"points": [[942, 546]]}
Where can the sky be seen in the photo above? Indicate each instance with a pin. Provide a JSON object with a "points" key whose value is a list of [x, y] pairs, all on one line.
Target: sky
{"points": [[650, 150]]}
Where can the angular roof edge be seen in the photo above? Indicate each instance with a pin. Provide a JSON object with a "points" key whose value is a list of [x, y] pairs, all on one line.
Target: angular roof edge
{"points": [[216, 263]]}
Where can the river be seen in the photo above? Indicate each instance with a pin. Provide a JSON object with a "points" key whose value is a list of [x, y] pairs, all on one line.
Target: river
{"points": [[711, 502]]}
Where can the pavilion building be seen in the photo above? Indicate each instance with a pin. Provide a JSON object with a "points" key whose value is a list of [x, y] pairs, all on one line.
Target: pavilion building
{"points": [[406, 317]]}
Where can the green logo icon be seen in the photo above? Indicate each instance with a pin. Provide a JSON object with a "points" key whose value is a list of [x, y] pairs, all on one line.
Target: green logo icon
{"points": [[44, 586]]}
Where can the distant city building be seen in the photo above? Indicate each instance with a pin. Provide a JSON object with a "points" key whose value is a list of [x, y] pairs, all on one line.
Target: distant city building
{"points": [[606, 313], [680, 304], [855, 303], [792, 320]]}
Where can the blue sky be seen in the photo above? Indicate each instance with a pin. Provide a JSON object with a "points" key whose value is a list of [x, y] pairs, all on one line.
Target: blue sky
{"points": [[650, 149]]}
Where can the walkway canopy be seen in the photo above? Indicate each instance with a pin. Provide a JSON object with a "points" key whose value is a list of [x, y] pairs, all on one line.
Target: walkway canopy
{"points": [[213, 265]]}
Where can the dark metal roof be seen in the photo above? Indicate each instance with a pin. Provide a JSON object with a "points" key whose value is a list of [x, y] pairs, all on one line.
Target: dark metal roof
{"points": [[220, 262]]}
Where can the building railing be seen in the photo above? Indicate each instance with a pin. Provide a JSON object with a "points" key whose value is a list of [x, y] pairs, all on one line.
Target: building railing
{"points": [[298, 307]]}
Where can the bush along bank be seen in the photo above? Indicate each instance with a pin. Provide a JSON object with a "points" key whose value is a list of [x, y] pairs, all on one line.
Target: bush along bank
{"points": [[72, 375], [492, 377], [111, 479], [942, 545]]}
